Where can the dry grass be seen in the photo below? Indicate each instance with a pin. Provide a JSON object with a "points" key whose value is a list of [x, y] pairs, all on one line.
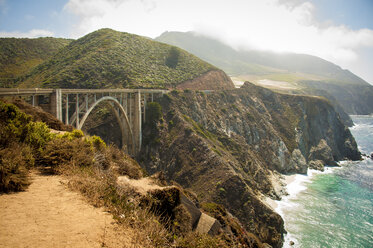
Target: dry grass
{"points": [[100, 189]]}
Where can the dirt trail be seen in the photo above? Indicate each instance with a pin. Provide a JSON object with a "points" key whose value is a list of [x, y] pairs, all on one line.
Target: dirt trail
{"points": [[49, 215]]}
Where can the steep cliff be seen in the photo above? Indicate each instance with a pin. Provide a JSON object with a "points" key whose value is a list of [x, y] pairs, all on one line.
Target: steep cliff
{"points": [[227, 146]]}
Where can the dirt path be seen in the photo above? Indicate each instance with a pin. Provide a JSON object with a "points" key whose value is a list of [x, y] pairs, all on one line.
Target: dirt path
{"points": [[49, 215]]}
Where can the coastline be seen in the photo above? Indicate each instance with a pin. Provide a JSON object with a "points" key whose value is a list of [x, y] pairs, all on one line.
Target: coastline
{"points": [[294, 184], [290, 188]]}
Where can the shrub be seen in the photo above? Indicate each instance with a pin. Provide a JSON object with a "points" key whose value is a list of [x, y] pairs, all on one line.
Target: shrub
{"points": [[95, 142], [14, 164], [76, 133], [12, 124], [175, 92], [172, 58], [37, 134], [122, 163], [153, 112], [59, 152]]}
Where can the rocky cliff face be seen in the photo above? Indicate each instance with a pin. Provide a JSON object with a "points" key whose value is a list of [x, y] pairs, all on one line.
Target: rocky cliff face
{"points": [[354, 99], [211, 80], [227, 146]]}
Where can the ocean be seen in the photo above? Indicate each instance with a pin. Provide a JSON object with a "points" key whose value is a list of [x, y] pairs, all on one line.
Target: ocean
{"points": [[333, 208]]}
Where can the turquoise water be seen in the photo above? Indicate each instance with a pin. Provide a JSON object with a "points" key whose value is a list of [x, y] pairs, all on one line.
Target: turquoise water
{"points": [[335, 209]]}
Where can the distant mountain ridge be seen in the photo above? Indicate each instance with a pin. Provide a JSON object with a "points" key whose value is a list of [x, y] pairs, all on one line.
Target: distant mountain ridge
{"points": [[309, 74], [111, 59]]}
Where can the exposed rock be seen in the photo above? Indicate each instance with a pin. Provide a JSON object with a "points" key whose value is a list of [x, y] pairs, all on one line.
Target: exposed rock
{"points": [[321, 155], [207, 224], [211, 80], [194, 212], [316, 165], [298, 162], [321, 152]]}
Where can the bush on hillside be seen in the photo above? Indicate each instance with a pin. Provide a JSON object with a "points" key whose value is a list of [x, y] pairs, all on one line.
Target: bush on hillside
{"points": [[17, 127], [153, 112], [61, 152], [36, 134], [19, 139], [15, 161], [123, 163], [12, 124], [172, 58]]}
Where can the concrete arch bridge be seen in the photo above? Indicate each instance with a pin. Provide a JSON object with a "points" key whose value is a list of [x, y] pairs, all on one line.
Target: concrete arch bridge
{"points": [[73, 106]]}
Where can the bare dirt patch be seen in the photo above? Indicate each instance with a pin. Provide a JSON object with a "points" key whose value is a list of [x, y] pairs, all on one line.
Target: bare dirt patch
{"points": [[50, 215], [276, 84]]}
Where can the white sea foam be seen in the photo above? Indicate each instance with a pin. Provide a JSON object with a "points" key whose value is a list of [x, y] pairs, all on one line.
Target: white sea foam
{"points": [[298, 185]]}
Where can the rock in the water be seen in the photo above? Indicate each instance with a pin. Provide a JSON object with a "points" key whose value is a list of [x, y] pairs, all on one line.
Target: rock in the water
{"points": [[292, 243], [320, 155], [316, 165]]}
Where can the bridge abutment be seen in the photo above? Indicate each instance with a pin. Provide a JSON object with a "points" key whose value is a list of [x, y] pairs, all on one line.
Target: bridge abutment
{"points": [[55, 104]]}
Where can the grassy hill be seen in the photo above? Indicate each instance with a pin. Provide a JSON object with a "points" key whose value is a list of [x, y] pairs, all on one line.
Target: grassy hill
{"points": [[18, 56], [107, 59], [303, 73]]}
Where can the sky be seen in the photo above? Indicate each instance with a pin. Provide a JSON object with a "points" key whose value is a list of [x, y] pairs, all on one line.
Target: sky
{"points": [[340, 31]]}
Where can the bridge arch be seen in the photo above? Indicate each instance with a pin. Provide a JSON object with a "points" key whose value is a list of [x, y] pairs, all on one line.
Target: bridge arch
{"points": [[121, 116], [62, 102]]}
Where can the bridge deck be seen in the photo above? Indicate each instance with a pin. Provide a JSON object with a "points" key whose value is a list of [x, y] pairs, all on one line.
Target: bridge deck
{"points": [[38, 91]]}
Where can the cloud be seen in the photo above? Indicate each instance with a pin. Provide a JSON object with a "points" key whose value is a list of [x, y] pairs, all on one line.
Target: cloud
{"points": [[277, 25], [34, 33]]}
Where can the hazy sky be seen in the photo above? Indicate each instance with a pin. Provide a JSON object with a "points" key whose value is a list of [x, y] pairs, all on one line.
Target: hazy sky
{"points": [[340, 31]]}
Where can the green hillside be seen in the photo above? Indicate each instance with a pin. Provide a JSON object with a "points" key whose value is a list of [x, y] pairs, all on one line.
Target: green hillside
{"points": [[304, 74], [107, 59], [18, 56]]}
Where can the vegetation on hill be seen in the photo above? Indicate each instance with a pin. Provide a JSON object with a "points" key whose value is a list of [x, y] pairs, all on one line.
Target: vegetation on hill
{"points": [[306, 74], [19, 56], [108, 59]]}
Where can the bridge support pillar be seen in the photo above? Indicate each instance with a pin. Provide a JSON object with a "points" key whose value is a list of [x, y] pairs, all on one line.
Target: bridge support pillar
{"points": [[137, 122], [56, 103], [35, 100]]}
